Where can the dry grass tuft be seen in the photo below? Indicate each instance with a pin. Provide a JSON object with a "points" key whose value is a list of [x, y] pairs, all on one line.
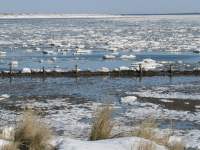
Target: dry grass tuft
{"points": [[32, 134], [147, 131], [146, 146], [102, 125], [11, 146], [177, 146]]}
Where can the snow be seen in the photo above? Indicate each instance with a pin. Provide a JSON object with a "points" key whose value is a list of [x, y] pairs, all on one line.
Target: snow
{"points": [[123, 68], [131, 143], [82, 52], [103, 69], [196, 51], [166, 101], [124, 143], [146, 64], [128, 99], [26, 70], [54, 59], [14, 63], [197, 106], [65, 143], [4, 96], [173, 140], [170, 95], [3, 143], [48, 52], [8, 133], [127, 143], [109, 56], [70, 120], [36, 70], [192, 140], [2, 54], [128, 57], [59, 70]]}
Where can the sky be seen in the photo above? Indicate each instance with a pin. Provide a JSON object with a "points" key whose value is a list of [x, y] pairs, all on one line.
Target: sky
{"points": [[99, 6]]}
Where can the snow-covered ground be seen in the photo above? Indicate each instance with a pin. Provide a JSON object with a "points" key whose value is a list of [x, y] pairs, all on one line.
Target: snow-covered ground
{"points": [[73, 120], [112, 144], [132, 143]]}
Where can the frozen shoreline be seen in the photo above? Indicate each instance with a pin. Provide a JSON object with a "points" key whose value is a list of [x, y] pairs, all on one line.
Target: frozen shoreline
{"points": [[87, 16], [63, 16]]}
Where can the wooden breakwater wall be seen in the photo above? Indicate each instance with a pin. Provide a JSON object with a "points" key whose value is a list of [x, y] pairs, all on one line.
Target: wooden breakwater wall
{"points": [[122, 73]]}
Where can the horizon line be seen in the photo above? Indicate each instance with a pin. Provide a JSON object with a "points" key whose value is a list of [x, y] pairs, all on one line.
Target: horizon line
{"points": [[123, 14]]}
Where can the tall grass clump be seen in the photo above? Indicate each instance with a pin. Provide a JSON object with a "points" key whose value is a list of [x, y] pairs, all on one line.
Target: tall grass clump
{"points": [[146, 130], [177, 146], [146, 146], [32, 134], [102, 125], [11, 146]]}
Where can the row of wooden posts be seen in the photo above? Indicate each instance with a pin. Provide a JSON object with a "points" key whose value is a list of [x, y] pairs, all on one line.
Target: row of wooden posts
{"points": [[76, 69]]}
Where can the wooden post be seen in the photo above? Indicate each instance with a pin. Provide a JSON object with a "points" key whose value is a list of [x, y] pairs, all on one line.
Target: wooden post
{"points": [[76, 69], [140, 69], [170, 69], [10, 65], [43, 70]]}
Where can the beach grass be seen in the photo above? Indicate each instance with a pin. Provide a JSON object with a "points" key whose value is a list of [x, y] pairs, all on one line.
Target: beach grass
{"points": [[31, 133], [11, 146], [146, 146], [102, 125]]}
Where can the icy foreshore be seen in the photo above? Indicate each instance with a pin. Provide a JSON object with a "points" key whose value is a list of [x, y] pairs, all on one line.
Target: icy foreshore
{"points": [[32, 16], [131, 143], [70, 142], [123, 143]]}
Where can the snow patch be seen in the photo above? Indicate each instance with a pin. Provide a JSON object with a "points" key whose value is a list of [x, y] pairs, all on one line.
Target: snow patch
{"points": [[129, 100], [131, 143]]}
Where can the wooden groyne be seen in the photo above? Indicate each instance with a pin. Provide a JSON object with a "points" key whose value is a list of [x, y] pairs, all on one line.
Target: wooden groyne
{"points": [[122, 73]]}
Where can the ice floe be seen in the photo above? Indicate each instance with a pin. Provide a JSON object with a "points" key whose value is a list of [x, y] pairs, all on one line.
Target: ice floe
{"points": [[80, 51], [48, 52], [14, 63], [4, 96], [109, 57], [123, 68], [103, 69], [163, 95], [26, 70], [2, 54], [146, 64], [128, 57], [128, 99]]}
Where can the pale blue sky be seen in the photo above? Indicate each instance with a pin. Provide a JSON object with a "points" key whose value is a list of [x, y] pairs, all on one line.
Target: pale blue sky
{"points": [[100, 6]]}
